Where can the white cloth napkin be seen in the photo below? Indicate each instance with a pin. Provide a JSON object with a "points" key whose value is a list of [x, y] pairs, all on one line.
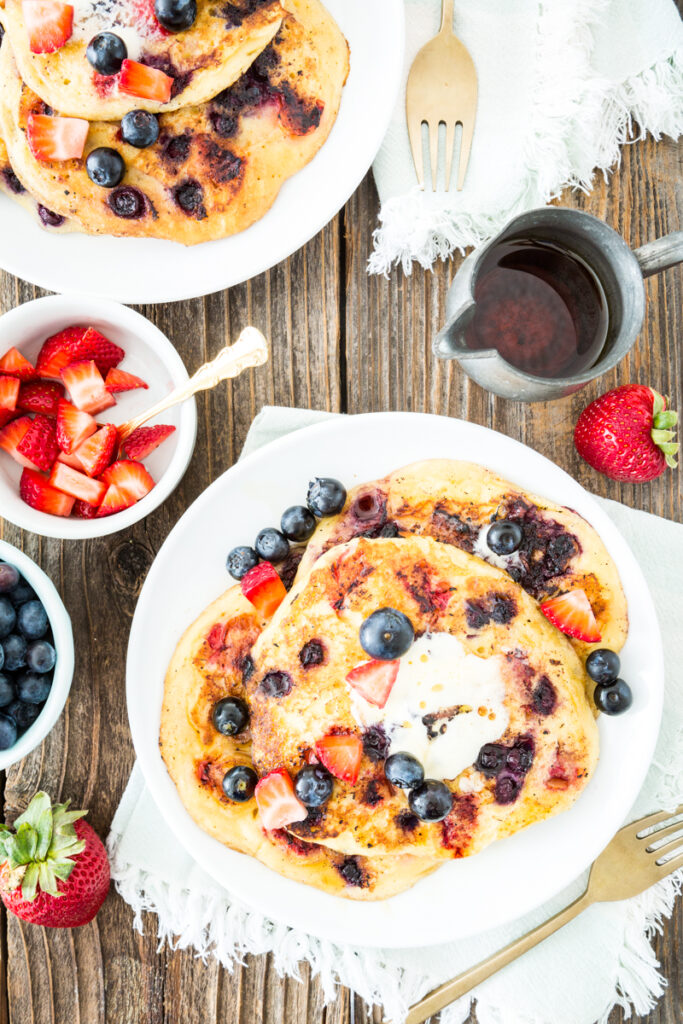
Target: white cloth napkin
{"points": [[562, 84], [607, 949]]}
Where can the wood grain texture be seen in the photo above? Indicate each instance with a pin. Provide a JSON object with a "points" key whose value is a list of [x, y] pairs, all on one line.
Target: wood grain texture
{"points": [[340, 341]]}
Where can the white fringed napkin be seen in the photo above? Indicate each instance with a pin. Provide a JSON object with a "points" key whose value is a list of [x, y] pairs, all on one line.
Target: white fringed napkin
{"points": [[575, 977], [562, 84]]}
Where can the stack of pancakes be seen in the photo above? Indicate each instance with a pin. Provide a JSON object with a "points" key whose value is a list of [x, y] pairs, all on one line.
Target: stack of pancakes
{"points": [[256, 88]]}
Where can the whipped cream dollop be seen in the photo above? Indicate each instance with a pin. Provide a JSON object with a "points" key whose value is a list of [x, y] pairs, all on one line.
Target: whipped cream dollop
{"points": [[94, 16], [445, 705]]}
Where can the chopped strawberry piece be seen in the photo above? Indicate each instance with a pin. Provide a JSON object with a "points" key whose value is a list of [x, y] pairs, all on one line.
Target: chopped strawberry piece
{"points": [[40, 396], [119, 380], [48, 23], [277, 803], [9, 392], [374, 680], [76, 484], [58, 351], [144, 440], [96, 453], [16, 365], [12, 435], [104, 353], [70, 460], [39, 494], [264, 588], [56, 138], [73, 426], [82, 510], [341, 755], [573, 615], [39, 443], [6, 415], [84, 383], [127, 482], [140, 80]]}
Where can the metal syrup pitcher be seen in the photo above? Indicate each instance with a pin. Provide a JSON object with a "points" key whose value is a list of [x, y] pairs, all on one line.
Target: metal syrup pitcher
{"points": [[619, 270]]}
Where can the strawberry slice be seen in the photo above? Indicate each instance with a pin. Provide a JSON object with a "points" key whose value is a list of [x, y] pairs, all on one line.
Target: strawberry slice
{"points": [[48, 23], [6, 415], [341, 755], [16, 365], [144, 440], [277, 803], [73, 426], [56, 138], [84, 383], [119, 380], [74, 344], [264, 588], [374, 680], [70, 460], [9, 392], [39, 444], [11, 437], [573, 615], [93, 345], [77, 485], [37, 492], [82, 510], [127, 482], [40, 396], [140, 80], [96, 453]]}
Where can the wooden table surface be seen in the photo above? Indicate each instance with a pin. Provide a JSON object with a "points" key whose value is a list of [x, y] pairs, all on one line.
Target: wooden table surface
{"points": [[340, 341]]}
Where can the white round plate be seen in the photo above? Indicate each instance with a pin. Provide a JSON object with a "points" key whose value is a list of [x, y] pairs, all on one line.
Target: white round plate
{"points": [[477, 893], [137, 270]]}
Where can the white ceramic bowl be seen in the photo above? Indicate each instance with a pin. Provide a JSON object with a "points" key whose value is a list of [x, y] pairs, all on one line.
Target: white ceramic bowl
{"points": [[60, 624], [150, 355]]}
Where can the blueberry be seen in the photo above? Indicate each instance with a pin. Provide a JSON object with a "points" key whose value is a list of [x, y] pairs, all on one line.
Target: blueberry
{"points": [[239, 783], [32, 620], [313, 785], [240, 561], [431, 800], [8, 616], [33, 688], [14, 647], [613, 698], [386, 634], [41, 656], [297, 523], [9, 577], [6, 691], [23, 714], [271, 545], [48, 218], [312, 654], [507, 787], [404, 770], [127, 202], [276, 684], [603, 665], [504, 537], [176, 15], [8, 732], [491, 759], [106, 52], [105, 167], [230, 715], [326, 497], [519, 757], [140, 128], [22, 593]]}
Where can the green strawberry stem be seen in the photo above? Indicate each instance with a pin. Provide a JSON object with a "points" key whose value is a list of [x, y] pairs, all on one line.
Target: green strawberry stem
{"points": [[662, 433], [41, 848]]}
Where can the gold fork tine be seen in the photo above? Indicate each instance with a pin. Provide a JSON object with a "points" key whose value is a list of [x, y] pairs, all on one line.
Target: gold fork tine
{"points": [[433, 128], [670, 847], [652, 819], [656, 837], [415, 136], [450, 142], [465, 147], [670, 866]]}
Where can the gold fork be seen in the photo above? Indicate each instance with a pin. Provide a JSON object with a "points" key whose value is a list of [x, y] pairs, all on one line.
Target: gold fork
{"points": [[626, 867], [442, 89]]}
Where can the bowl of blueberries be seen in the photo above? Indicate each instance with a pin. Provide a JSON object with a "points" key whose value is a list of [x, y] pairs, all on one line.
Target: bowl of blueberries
{"points": [[36, 655]]}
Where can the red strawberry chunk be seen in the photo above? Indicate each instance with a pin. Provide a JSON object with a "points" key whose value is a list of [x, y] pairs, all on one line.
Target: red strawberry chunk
{"points": [[277, 803], [58, 351], [264, 588], [49, 24], [17, 365], [11, 436], [39, 443], [73, 426], [82, 510], [96, 453], [6, 415], [374, 680], [341, 755], [40, 396], [9, 392], [140, 80], [127, 482], [39, 494], [86, 388], [573, 615], [76, 484], [70, 460], [104, 353], [119, 380], [56, 138], [144, 440]]}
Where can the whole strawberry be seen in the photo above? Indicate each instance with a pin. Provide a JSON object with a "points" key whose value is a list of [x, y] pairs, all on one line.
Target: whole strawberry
{"points": [[628, 434], [53, 868]]}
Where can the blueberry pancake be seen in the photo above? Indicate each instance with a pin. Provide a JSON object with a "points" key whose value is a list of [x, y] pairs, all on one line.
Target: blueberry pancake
{"points": [[200, 59], [204, 689], [446, 707], [11, 186], [213, 169]]}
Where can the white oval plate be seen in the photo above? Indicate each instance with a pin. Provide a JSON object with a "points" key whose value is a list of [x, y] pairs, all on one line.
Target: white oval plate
{"points": [[477, 893], [138, 270]]}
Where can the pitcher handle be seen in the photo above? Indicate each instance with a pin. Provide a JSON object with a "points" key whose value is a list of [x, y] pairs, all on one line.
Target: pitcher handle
{"points": [[661, 254]]}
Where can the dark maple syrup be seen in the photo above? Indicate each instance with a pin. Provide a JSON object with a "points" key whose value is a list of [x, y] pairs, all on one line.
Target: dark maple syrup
{"points": [[541, 306]]}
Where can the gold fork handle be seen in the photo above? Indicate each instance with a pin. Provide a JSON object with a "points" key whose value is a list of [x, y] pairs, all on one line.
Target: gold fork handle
{"points": [[446, 16], [457, 987]]}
